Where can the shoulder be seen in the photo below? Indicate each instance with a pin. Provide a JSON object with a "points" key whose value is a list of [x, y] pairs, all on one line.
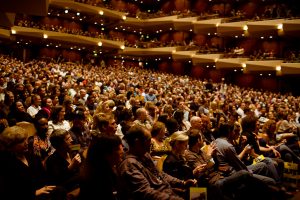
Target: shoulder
{"points": [[129, 163]]}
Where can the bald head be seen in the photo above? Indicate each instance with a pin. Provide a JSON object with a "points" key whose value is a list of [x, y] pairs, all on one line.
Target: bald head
{"points": [[196, 122]]}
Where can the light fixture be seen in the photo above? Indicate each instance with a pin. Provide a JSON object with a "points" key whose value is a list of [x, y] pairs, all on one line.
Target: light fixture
{"points": [[13, 31], [66, 11], [122, 47], [124, 17], [78, 13], [280, 26], [245, 27], [99, 44], [101, 12], [244, 65], [278, 68], [45, 36]]}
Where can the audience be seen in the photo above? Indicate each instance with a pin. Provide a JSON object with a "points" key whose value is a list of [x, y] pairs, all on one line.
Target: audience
{"points": [[182, 104]]}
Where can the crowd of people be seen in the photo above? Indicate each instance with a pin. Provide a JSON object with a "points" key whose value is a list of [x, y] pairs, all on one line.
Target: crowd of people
{"points": [[72, 131]]}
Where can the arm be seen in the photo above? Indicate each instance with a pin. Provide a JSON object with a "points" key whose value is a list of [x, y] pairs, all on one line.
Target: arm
{"points": [[233, 159], [143, 185]]}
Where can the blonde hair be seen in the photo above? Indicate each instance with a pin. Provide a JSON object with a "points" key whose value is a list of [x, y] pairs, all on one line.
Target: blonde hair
{"points": [[12, 136]]}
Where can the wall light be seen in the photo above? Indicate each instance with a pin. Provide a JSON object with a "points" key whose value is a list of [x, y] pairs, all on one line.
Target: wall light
{"points": [[278, 68]]}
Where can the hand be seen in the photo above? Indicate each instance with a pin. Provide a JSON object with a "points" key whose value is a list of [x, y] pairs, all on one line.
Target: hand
{"points": [[75, 161], [189, 182], [211, 149], [247, 148], [45, 190], [199, 169], [276, 153]]}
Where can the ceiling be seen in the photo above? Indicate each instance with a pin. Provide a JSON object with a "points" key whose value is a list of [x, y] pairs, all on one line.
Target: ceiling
{"points": [[218, 26]]}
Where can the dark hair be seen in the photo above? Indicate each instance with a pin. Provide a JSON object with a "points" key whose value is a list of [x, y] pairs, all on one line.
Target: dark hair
{"points": [[157, 127], [55, 113], [134, 133], [172, 126], [44, 101], [249, 123], [163, 118], [102, 146], [57, 137], [194, 136], [224, 130]]}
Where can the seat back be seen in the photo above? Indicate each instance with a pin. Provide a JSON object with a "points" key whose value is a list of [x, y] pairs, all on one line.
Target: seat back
{"points": [[160, 163], [291, 172]]}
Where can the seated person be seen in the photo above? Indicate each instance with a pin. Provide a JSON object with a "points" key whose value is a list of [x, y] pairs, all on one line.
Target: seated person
{"points": [[140, 177], [159, 142], [22, 174], [63, 167], [175, 164], [98, 174]]}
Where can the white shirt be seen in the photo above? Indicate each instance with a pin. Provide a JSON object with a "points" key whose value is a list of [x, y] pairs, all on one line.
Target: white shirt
{"points": [[61, 125], [32, 110]]}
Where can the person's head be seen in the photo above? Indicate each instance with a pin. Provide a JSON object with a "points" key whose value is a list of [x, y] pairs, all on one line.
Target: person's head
{"points": [[179, 142], [108, 106], [105, 123], [82, 93], [225, 130], [41, 125], [61, 139], [18, 106], [206, 123], [158, 130], [141, 114], [139, 140], [36, 100], [14, 139], [9, 98], [58, 114], [178, 115], [195, 139], [105, 148], [196, 122], [47, 102], [269, 127], [249, 123]]}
